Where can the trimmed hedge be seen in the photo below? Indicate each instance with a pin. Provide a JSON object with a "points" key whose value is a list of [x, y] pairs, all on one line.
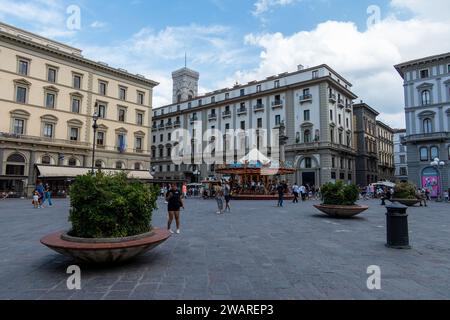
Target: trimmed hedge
{"points": [[110, 206], [404, 190], [339, 194]]}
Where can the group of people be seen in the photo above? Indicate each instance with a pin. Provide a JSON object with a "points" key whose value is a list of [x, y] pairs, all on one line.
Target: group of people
{"points": [[42, 195]]}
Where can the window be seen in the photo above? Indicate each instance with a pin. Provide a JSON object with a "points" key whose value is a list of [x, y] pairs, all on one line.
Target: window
{"points": [[140, 98], [308, 163], [277, 120], [100, 138], [77, 81], [315, 74], [76, 105], [122, 93], [227, 126], [339, 119], [259, 123], [161, 152], [99, 164], [227, 96], [122, 113], [277, 84], [423, 154], [161, 138], [448, 152], [349, 165], [179, 98], [242, 92], [46, 160], [50, 100], [72, 162], [23, 67], [138, 143], [347, 122], [153, 153], [119, 165], [19, 126], [333, 175], [332, 135], [21, 95], [121, 142], [427, 126], [169, 151], [137, 166], [403, 171], [307, 136], [48, 130], [101, 111], [154, 139], [213, 99], [426, 97], [102, 88], [258, 88], [74, 134], [51, 75], [242, 125], [340, 138], [169, 136], [434, 153], [306, 115], [331, 115], [402, 159], [139, 119], [333, 162], [424, 74]]}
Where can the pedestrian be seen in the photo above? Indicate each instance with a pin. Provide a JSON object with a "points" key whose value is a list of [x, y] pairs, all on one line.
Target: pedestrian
{"points": [[280, 190], [303, 192], [41, 190], [218, 194], [175, 202], [227, 195], [48, 195], [184, 190], [36, 200], [295, 191]]}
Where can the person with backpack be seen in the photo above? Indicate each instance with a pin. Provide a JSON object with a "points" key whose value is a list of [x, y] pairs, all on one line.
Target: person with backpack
{"points": [[174, 203]]}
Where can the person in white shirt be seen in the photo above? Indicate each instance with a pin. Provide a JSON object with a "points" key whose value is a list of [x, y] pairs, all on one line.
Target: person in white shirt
{"points": [[295, 191], [303, 192]]}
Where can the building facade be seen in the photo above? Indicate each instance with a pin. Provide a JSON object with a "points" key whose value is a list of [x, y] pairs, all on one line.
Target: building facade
{"points": [[366, 139], [48, 95], [385, 146], [314, 105], [400, 156], [427, 110]]}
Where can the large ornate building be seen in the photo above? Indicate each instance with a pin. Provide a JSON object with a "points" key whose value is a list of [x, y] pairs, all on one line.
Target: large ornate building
{"points": [[48, 95], [427, 110], [385, 146], [315, 105]]}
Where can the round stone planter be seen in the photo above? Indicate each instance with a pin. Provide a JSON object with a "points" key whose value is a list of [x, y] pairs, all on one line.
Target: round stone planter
{"points": [[407, 202], [111, 250], [341, 211]]}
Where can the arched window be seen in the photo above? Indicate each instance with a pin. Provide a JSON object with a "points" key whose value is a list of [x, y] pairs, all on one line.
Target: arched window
{"points": [[308, 163], [307, 136], [72, 162], [18, 158], [15, 165], [426, 97], [99, 164], [427, 125], [137, 166], [434, 153], [46, 160], [424, 154], [119, 165]]}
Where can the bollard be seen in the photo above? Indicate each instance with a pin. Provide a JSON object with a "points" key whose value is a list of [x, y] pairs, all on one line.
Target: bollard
{"points": [[383, 201], [397, 226]]}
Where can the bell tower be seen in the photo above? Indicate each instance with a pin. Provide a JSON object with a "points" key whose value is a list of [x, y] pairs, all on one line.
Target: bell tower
{"points": [[185, 84]]}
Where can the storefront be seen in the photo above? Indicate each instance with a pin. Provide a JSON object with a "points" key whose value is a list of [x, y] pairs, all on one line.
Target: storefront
{"points": [[431, 181]]}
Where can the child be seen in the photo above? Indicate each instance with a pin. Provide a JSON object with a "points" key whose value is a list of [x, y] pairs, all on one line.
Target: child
{"points": [[36, 200]]}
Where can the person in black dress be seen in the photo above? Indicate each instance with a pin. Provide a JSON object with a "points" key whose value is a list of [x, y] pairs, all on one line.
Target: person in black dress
{"points": [[175, 202]]}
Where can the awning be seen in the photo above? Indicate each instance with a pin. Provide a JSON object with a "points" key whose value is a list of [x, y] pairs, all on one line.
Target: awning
{"points": [[72, 172]]}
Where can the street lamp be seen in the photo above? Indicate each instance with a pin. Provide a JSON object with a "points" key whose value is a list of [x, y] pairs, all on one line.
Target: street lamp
{"points": [[439, 165], [95, 127]]}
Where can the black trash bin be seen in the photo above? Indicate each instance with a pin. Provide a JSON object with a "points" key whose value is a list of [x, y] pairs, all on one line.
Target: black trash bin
{"points": [[397, 226]]}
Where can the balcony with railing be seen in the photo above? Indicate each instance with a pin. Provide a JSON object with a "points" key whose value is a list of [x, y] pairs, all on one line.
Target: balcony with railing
{"points": [[177, 124], [259, 107], [341, 103], [193, 119], [154, 127], [242, 111], [277, 104], [226, 114], [332, 98], [435, 136], [161, 126], [34, 139], [306, 98], [169, 124], [212, 117]]}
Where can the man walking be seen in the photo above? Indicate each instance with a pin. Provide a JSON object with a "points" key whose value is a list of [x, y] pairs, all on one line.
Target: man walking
{"points": [[295, 191], [303, 192], [280, 190]]}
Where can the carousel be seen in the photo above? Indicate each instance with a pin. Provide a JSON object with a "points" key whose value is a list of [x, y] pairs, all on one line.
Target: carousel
{"points": [[255, 177]]}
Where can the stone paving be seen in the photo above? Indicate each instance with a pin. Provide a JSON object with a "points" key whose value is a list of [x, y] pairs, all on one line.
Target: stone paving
{"points": [[258, 251]]}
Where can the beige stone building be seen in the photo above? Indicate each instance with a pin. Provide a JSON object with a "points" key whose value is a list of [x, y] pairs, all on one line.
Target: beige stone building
{"points": [[48, 95], [385, 143]]}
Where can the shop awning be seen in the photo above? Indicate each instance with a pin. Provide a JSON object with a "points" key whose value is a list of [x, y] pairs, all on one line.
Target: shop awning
{"points": [[72, 172]]}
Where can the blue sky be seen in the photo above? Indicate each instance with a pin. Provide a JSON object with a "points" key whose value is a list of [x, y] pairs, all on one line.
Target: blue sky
{"points": [[243, 40]]}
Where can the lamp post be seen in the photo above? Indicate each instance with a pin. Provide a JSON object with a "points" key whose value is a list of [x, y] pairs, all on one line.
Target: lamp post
{"points": [[439, 165], [95, 127]]}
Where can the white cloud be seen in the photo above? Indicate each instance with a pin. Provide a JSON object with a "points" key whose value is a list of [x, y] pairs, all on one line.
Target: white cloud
{"points": [[425, 9], [98, 25], [366, 58], [262, 6]]}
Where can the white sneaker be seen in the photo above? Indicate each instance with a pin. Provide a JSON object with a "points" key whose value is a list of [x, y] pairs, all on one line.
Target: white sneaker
{"points": [[178, 231], [171, 231]]}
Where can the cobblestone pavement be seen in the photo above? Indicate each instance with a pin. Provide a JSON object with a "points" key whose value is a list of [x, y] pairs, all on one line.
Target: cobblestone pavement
{"points": [[258, 251]]}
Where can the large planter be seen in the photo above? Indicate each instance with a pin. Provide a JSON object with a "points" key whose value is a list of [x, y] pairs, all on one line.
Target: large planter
{"points": [[104, 250], [407, 202], [341, 211]]}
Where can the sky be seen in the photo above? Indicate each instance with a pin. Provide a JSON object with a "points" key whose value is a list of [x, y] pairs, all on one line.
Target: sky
{"points": [[231, 41]]}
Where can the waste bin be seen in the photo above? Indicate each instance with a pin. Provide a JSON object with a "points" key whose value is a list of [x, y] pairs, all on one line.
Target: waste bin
{"points": [[397, 226]]}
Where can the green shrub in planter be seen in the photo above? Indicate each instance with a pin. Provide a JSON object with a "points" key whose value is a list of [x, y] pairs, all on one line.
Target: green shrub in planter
{"points": [[404, 190], [339, 194], [110, 206]]}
